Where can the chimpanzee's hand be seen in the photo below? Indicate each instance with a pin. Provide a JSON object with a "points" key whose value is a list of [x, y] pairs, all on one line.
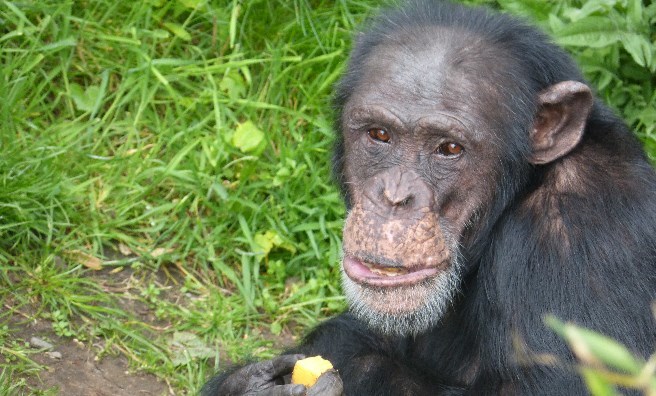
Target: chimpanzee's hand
{"points": [[328, 384], [263, 379]]}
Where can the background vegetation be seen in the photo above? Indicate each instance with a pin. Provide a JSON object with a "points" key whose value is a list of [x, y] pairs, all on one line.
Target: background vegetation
{"points": [[180, 150]]}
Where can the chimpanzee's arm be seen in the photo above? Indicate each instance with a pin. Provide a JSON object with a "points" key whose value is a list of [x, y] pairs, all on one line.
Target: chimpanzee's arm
{"points": [[370, 364]]}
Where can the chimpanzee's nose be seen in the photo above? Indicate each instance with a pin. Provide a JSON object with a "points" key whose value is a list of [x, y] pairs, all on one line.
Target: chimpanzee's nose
{"points": [[403, 189]]}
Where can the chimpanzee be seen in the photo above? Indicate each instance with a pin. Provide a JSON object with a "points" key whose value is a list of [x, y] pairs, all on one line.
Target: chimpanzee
{"points": [[486, 187]]}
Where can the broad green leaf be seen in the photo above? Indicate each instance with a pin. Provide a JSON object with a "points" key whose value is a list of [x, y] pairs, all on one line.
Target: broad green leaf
{"points": [[160, 34], [639, 48], [84, 100], [247, 137], [281, 176], [276, 328], [589, 345], [178, 30], [277, 269], [284, 173], [590, 40], [538, 9], [193, 4], [597, 384], [266, 241], [555, 24], [77, 93], [634, 12], [591, 32], [233, 84], [186, 346], [589, 8], [92, 92]]}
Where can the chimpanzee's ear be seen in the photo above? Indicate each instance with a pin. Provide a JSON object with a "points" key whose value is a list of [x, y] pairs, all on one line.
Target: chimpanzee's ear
{"points": [[560, 121]]}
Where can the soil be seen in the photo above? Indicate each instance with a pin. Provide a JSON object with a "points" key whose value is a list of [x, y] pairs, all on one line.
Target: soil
{"points": [[73, 369]]}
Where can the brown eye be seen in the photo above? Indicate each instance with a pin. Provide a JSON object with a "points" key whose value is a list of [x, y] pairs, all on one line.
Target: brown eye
{"points": [[450, 149], [380, 135]]}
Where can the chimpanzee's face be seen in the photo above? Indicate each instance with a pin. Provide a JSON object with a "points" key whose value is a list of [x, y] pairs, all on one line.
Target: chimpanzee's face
{"points": [[420, 152]]}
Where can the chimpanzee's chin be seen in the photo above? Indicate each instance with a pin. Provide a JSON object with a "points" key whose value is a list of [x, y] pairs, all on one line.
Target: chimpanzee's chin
{"points": [[402, 310]]}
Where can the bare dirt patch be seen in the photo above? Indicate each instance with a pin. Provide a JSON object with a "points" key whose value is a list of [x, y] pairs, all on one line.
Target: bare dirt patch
{"points": [[73, 369]]}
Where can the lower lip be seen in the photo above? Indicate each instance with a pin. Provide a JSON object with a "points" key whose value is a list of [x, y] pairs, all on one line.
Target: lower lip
{"points": [[361, 274]]}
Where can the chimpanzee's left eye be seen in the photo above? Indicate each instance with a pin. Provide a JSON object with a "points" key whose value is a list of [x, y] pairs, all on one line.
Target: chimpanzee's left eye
{"points": [[450, 149], [378, 134]]}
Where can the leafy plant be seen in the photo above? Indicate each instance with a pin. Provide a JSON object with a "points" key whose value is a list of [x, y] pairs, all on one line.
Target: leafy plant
{"points": [[604, 363], [614, 42]]}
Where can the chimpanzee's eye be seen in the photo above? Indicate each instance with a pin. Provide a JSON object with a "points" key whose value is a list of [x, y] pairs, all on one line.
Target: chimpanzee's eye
{"points": [[450, 149], [378, 134]]}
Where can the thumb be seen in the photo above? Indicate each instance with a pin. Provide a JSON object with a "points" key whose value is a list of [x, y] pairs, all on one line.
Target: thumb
{"points": [[328, 384]]}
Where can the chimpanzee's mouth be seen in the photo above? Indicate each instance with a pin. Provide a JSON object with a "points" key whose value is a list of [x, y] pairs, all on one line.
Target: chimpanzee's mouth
{"points": [[373, 274], [385, 271]]}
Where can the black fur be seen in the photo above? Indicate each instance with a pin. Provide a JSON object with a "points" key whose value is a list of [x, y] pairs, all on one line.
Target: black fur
{"points": [[518, 267]]}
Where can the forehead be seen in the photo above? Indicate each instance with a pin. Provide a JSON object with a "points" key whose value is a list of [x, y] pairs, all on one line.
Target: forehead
{"points": [[413, 75]]}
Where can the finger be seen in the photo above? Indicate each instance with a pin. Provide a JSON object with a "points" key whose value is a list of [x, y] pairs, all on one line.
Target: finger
{"points": [[284, 364], [328, 384], [283, 390], [268, 370]]}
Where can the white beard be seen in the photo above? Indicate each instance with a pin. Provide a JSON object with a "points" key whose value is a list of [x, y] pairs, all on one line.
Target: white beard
{"points": [[404, 310]]}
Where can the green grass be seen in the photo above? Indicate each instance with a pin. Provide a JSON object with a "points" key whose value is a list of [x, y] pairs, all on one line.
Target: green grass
{"points": [[126, 127], [194, 137]]}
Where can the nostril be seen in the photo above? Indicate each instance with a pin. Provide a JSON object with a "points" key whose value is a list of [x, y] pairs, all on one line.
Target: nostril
{"points": [[396, 200], [405, 202]]}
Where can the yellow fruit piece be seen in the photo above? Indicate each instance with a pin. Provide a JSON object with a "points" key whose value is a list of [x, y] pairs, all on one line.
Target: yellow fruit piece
{"points": [[307, 371]]}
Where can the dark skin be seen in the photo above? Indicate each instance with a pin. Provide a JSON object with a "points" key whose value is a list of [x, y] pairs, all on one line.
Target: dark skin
{"points": [[480, 198]]}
